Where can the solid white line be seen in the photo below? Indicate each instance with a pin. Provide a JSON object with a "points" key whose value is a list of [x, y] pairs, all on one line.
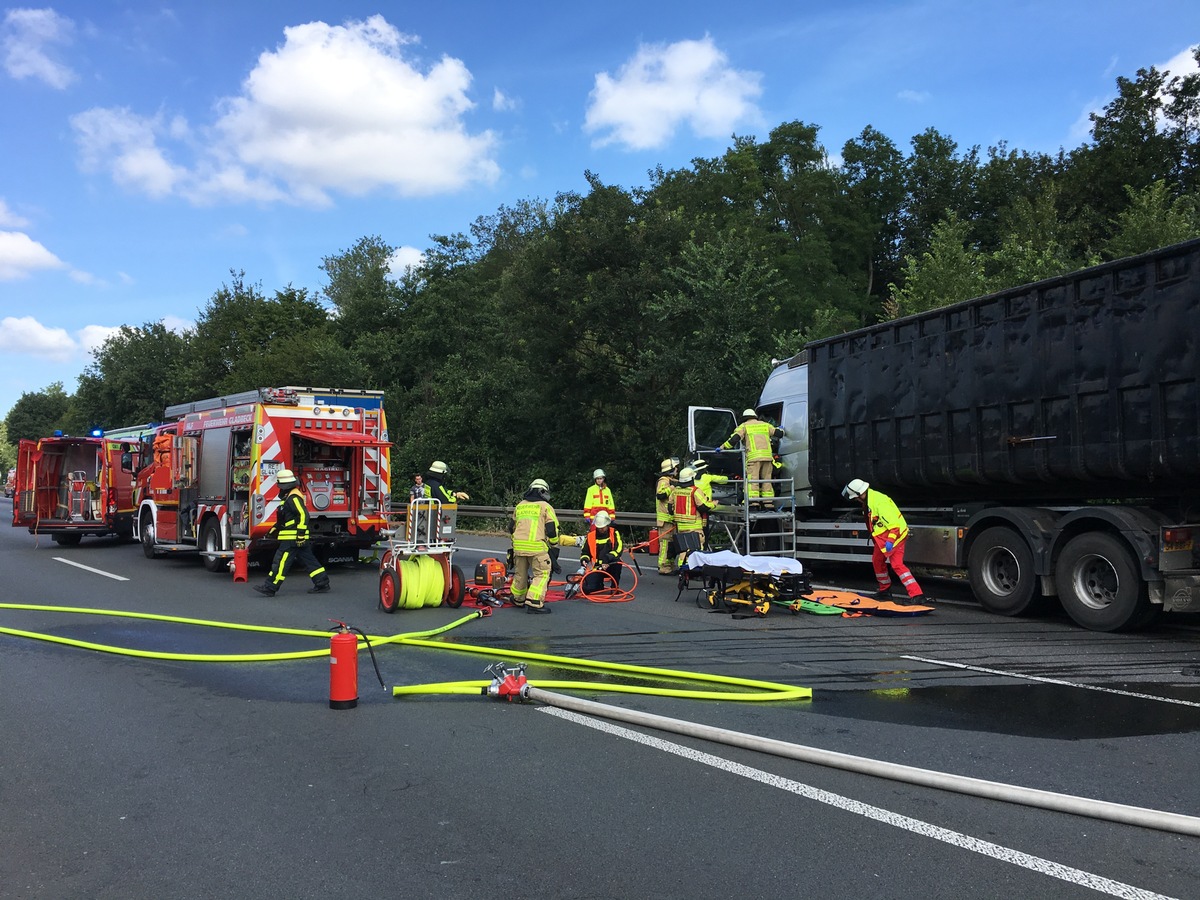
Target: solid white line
{"points": [[89, 569], [1075, 684], [966, 842]]}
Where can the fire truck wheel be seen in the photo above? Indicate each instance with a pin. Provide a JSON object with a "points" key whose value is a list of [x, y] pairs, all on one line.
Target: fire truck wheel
{"points": [[389, 590], [146, 530], [210, 544], [67, 540], [458, 587]]}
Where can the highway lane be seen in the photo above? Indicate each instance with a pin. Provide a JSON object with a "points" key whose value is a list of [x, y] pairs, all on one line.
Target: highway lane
{"points": [[139, 778]]}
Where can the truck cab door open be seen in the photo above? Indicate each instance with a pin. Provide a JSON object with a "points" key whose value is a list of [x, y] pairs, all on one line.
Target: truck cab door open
{"points": [[708, 428]]}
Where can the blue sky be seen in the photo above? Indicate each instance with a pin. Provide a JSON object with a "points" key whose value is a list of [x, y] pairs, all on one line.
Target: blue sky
{"points": [[148, 149]]}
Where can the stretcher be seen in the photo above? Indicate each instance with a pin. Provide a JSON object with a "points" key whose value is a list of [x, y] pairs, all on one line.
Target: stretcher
{"points": [[749, 585]]}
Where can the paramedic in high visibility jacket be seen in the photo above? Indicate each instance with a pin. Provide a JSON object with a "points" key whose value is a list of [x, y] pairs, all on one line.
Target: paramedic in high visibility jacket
{"points": [[889, 532], [664, 522], [598, 497], [601, 553], [534, 529], [755, 436], [291, 529], [689, 505]]}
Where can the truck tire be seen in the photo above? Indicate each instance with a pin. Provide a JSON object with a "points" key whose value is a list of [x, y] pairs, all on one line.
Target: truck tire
{"points": [[1099, 585], [210, 545], [66, 540], [146, 530], [1000, 568]]}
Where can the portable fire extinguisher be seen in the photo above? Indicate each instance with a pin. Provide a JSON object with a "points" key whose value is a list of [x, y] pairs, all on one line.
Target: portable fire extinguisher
{"points": [[343, 668]]}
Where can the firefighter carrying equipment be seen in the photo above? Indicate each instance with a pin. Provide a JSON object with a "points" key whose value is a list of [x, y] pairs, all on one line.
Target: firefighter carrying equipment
{"points": [[439, 467]]}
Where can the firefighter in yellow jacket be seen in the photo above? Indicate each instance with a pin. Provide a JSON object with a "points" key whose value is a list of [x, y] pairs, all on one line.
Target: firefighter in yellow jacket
{"points": [[664, 522], [599, 497], [291, 529], [534, 529], [889, 533], [755, 436], [689, 505]]}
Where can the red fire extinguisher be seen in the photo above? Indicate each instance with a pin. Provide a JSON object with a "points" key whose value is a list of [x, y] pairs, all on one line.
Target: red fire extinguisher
{"points": [[343, 668]]}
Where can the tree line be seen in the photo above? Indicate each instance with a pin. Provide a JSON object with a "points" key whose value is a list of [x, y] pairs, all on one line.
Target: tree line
{"points": [[556, 336]]}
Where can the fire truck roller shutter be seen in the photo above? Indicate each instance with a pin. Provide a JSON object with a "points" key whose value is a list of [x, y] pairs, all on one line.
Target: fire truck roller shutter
{"points": [[341, 438]]}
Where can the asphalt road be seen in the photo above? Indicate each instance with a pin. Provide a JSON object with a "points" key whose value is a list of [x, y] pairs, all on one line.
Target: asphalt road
{"points": [[125, 777]]}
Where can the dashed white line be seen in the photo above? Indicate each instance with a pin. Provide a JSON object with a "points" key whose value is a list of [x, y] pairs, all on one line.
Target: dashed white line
{"points": [[90, 569], [1044, 680], [987, 848]]}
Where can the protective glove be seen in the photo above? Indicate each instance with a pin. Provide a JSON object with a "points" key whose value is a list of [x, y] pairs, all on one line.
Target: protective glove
{"points": [[719, 450], [887, 546], [462, 495], [781, 431], [580, 541]]}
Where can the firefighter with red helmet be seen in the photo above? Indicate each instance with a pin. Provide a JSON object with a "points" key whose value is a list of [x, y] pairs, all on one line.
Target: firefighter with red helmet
{"points": [[291, 529]]}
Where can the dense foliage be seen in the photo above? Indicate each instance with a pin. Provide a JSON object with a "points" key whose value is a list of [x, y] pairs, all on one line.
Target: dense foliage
{"points": [[556, 336]]}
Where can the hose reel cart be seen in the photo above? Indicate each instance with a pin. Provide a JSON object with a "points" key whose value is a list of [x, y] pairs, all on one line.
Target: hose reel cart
{"points": [[416, 569]]}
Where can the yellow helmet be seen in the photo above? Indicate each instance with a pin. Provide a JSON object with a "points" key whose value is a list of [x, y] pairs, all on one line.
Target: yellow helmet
{"points": [[285, 476], [666, 466]]}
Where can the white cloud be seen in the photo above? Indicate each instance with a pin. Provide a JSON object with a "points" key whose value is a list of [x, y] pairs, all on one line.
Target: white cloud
{"points": [[333, 109], [9, 219], [910, 96], [501, 102], [1182, 63], [20, 256], [403, 259], [27, 33], [91, 337], [26, 335], [665, 86]]}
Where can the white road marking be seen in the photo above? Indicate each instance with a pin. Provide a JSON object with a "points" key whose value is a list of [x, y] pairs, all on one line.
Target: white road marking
{"points": [[996, 851], [90, 569], [1044, 680]]}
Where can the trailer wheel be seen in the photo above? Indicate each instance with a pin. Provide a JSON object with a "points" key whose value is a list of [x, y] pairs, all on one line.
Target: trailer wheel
{"points": [[1099, 584], [146, 530], [66, 540], [458, 588], [1000, 568], [210, 546], [389, 590]]}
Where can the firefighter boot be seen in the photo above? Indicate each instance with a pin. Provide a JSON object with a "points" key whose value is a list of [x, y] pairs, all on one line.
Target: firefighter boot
{"points": [[267, 590], [323, 588]]}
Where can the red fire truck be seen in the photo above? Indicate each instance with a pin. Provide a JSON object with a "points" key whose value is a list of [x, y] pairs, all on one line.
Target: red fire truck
{"points": [[206, 479], [68, 486]]}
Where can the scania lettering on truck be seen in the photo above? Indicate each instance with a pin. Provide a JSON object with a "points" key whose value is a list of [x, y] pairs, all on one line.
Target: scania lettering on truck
{"points": [[206, 479], [1043, 439]]}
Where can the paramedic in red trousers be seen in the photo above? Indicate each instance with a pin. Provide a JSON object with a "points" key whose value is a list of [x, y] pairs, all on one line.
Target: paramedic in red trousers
{"points": [[291, 529], [755, 436], [534, 529], [889, 532], [601, 553], [599, 497]]}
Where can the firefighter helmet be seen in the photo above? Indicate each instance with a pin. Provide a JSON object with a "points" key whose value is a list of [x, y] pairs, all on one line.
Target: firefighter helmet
{"points": [[438, 467], [285, 476], [855, 489], [666, 466], [602, 520], [699, 465], [599, 473], [687, 475], [748, 413]]}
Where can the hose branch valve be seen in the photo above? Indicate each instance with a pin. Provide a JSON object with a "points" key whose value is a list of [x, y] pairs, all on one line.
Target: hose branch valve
{"points": [[507, 684]]}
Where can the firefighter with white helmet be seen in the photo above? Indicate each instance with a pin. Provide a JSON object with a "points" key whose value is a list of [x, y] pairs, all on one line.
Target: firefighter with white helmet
{"points": [[598, 497], [755, 436], [291, 529], [689, 505], [435, 484], [534, 529], [601, 553], [667, 470], [889, 533]]}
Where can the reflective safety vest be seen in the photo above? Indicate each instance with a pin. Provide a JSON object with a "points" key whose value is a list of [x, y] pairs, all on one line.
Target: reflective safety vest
{"points": [[887, 522], [604, 550], [599, 498], [755, 436], [292, 518], [685, 508], [532, 519]]}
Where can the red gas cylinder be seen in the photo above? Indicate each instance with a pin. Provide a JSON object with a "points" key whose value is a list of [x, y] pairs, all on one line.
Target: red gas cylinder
{"points": [[241, 563], [343, 669]]}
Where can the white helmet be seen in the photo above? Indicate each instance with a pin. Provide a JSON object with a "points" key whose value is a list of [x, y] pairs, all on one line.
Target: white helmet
{"points": [[599, 473], [539, 484], [699, 465], [686, 475], [855, 489], [602, 520], [666, 466], [285, 476], [438, 467], [748, 414]]}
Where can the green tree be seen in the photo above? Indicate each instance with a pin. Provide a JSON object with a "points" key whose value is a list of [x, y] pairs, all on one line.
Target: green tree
{"points": [[8, 452], [874, 170], [134, 375], [38, 414], [949, 271], [1153, 219]]}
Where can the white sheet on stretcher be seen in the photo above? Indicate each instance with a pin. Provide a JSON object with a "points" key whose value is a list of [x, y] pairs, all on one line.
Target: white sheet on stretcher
{"points": [[759, 565]]}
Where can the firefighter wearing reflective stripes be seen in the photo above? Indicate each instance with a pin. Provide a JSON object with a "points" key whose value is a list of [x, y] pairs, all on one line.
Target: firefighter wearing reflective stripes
{"points": [[291, 529], [602, 549], [662, 514], [889, 532], [689, 505], [534, 528], [755, 436], [598, 497]]}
